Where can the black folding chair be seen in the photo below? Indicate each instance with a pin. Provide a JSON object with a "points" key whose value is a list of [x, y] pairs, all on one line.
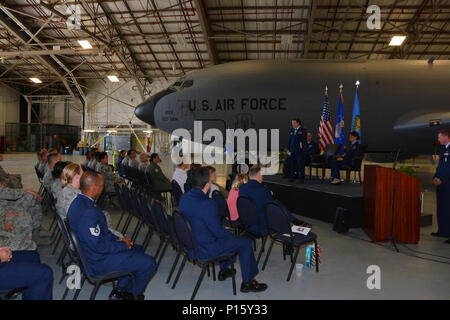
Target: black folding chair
{"points": [[323, 161], [176, 193], [9, 293], [248, 215], [97, 280], [188, 247], [280, 231], [224, 212], [166, 231]]}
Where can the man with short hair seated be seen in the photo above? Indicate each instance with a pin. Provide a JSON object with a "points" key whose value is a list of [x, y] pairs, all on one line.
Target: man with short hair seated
{"points": [[160, 183], [104, 251], [212, 239], [261, 195], [353, 151], [24, 270]]}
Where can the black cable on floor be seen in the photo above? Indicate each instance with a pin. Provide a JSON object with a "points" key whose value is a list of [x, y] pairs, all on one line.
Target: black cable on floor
{"points": [[404, 253]]}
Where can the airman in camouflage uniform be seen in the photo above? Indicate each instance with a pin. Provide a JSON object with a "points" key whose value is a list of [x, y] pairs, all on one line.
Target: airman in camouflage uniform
{"points": [[16, 230], [109, 177], [11, 180], [26, 203], [160, 183]]}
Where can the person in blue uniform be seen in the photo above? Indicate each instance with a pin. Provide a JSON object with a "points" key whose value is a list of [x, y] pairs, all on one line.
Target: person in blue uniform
{"points": [[212, 238], [23, 269], [312, 148], [261, 195], [104, 251], [353, 150], [297, 150], [442, 182]]}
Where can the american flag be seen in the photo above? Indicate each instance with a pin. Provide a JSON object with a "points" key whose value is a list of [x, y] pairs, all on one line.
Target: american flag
{"points": [[325, 129]]}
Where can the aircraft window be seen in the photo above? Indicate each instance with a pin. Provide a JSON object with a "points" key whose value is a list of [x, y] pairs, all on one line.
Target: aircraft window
{"points": [[188, 83], [177, 84]]}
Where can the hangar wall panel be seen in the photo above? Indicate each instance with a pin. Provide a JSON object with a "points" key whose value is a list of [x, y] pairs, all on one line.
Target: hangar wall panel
{"points": [[9, 107]]}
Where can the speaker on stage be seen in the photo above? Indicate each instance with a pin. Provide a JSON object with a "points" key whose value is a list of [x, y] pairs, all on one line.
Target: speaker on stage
{"points": [[342, 220]]}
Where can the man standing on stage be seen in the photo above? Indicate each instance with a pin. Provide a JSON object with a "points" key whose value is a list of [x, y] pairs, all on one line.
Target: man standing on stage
{"points": [[297, 147], [442, 182]]}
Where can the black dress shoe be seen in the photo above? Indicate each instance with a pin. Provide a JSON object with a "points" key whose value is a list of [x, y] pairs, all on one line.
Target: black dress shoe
{"points": [[127, 296], [253, 286], [225, 274], [140, 297], [115, 295], [435, 234]]}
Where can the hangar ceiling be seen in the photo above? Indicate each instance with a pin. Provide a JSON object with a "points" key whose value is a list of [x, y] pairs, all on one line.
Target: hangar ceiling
{"points": [[144, 40]]}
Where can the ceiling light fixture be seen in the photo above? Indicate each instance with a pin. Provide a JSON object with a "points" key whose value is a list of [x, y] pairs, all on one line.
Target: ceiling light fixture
{"points": [[113, 78], [85, 44], [397, 40], [36, 80]]}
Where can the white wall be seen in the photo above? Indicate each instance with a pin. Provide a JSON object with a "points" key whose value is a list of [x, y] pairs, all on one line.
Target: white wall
{"points": [[9, 107], [117, 109]]}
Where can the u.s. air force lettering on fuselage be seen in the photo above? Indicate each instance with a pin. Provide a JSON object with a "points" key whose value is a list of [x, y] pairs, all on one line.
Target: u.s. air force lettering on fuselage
{"points": [[243, 104]]}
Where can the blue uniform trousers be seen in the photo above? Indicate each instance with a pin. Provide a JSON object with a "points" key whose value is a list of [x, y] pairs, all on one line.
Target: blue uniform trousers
{"points": [[297, 161], [443, 209], [142, 265], [336, 166], [26, 271], [243, 246]]}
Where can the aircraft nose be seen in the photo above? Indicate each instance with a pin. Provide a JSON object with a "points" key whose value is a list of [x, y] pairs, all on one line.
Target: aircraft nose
{"points": [[146, 111]]}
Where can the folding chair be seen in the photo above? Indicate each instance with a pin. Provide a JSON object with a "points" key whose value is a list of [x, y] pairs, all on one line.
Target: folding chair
{"points": [[188, 247], [96, 280], [280, 230], [248, 215]]}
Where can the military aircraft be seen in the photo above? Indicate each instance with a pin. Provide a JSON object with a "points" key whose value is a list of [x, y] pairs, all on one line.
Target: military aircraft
{"points": [[403, 103]]}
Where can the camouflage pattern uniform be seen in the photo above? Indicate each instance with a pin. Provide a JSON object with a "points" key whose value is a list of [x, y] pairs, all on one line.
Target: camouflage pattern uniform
{"points": [[68, 193], [12, 181], [19, 238], [48, 179], [143, 166], [109, 177], [92, 164], [56, 188], [23, 202]]}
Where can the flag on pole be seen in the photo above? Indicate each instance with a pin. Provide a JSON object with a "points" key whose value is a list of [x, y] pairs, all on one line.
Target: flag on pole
{"points": [[339, 136], [356, 119], [325, 128]]}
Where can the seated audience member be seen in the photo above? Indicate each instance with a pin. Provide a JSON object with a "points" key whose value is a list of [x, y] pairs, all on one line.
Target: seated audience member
{"points": [[105, 252], [109, 176], [23, 269], [211, 238], [130, 160], [43, 165], [160, 183], [312, 148], [354, 150], [25, 204], [214, 187], [93, 162], [48, 180], [16, 229], [180, 175], [238, 181], [71, 188], [121, 157], [261, 195], [190, 171], [38, 159], [11, 180], [88, 159], [144, 161], [57, 182]]}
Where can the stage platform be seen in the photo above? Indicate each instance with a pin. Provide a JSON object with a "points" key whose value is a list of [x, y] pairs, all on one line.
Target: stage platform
{"points": [[318, 199]]}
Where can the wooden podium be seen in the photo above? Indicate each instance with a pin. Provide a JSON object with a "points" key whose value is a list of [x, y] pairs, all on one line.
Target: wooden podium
{"points": [[377, 204]]}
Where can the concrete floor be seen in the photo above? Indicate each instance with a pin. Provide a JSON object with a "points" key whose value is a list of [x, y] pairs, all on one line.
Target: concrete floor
{"points": [[343, 271]]}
